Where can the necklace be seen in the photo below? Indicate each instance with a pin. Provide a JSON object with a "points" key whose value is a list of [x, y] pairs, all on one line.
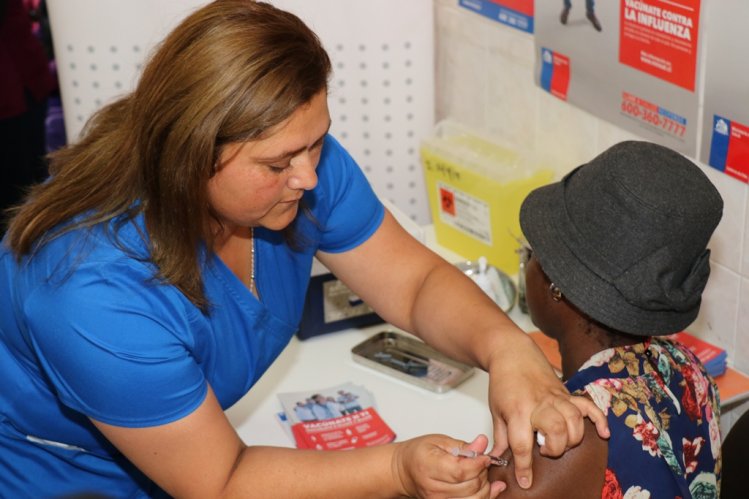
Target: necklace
{"points": [[253, 289]]}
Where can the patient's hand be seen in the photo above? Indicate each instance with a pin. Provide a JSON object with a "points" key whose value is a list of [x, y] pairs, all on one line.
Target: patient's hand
{"points": [[426, 467]]}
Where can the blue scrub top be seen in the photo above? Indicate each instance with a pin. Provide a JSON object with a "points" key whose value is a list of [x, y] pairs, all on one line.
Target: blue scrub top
{"points": [[86, 331]]}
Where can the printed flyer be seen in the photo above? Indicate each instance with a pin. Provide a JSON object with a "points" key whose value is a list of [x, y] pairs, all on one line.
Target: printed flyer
{"points": [[335, 418], [725, 122], [634, 63], [515, 13]]}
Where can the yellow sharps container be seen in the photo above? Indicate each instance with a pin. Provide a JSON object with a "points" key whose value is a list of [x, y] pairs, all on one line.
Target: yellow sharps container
{"points": [[475, 187]]}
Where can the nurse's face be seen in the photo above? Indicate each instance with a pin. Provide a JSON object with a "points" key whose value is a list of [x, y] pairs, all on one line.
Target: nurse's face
{"points": [[260, 182]]}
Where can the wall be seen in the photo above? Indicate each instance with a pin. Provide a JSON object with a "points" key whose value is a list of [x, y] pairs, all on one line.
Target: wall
{"points": [[485, 80], [381, 91]]}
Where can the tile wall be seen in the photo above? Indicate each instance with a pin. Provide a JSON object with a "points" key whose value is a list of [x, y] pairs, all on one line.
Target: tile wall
{"points": [[485, 81]]}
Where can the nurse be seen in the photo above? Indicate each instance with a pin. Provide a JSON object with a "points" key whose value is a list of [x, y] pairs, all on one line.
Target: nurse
{"points": [[163, 267]]}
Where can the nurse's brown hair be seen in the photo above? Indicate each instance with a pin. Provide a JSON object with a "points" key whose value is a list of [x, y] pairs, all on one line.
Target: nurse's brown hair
{"points": [[229, 72]]}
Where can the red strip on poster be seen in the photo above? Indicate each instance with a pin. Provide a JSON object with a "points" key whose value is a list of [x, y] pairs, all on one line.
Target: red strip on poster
{"points": [[522, 6], [560, 78], [737, 159], [660, 38]]}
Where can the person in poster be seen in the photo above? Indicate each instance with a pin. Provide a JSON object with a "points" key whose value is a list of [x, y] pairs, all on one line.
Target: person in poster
{"points": [[590, 13]]}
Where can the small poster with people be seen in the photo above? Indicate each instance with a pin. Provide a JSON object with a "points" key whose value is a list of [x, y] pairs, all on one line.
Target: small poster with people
{"points": [[335, 418]]}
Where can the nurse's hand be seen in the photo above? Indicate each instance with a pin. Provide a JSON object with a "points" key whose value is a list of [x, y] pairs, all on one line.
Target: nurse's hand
{"points": [[426, 467], [527, 397]]}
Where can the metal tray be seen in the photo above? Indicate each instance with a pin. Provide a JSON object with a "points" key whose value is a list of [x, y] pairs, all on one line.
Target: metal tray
{"points": [[411, 360]]}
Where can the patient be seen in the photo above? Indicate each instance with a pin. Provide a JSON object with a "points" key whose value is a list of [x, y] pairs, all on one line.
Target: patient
{"points": [[619, 260]]}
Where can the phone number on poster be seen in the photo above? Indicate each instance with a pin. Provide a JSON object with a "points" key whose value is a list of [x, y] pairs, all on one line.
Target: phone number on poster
{"points": [[653, 115]]}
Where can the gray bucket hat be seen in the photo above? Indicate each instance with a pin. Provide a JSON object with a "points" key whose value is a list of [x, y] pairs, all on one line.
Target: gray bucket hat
{"points": [[624, 237]]}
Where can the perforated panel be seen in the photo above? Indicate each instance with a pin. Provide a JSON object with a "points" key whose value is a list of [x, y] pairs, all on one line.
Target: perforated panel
{"points": [[100, 47], [374, 102], [381, 93]]}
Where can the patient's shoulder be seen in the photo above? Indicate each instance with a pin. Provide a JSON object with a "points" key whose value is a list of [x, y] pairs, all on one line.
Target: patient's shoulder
{"points": [[578, 473]]}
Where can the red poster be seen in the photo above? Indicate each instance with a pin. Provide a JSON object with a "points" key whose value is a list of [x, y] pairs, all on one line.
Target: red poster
{"points": [[659, 37]]}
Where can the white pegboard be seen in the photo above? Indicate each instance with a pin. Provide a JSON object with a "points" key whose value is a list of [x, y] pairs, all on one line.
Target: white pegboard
{"points": [[100, 47], [381, 92]]}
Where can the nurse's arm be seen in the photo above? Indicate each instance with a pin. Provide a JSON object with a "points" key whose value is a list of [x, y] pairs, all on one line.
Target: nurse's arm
{"points": [[414, 289], [201, 456]]}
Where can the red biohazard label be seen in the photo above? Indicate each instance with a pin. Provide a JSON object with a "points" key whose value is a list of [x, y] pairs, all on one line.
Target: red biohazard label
{"points": [[447, 202]]}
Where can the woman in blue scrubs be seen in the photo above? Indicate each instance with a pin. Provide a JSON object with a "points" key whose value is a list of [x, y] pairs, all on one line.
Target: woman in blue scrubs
{"points": [[149, 283]]}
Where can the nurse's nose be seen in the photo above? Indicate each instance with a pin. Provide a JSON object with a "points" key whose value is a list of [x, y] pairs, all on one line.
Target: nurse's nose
{"points": [[303, 175]]}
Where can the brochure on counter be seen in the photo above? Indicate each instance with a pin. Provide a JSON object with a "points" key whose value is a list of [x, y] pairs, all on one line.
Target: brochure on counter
{"points": [[712, 356], [335, 418], [733, 385]]}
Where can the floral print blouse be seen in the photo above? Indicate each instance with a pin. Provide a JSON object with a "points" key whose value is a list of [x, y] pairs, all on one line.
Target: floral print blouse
{"points": [[664, 413]]}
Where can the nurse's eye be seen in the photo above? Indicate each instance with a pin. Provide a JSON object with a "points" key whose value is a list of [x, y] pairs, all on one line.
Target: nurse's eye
{"points": [[279, 168], [317, 146]]}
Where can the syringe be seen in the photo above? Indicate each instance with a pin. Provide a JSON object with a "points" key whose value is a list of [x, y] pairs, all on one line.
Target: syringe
{"points": [[495, 461]]}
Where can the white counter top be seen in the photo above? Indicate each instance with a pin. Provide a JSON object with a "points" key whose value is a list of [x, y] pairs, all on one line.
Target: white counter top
{"points": [[326, 361]]}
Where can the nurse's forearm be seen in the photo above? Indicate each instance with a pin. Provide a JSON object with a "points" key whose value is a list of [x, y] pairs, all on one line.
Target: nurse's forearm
{"points": [[281, 472]]}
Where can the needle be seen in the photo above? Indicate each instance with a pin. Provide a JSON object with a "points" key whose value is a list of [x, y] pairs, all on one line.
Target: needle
{"points": [[495, 461]]}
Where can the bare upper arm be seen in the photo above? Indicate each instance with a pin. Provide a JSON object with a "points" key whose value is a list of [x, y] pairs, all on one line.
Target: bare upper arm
{"points": [[191, 457], [578, 473], [390, 263]]}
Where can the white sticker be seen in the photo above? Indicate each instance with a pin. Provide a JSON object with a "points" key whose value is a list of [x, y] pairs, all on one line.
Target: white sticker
{"points": [[465, 213]]}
